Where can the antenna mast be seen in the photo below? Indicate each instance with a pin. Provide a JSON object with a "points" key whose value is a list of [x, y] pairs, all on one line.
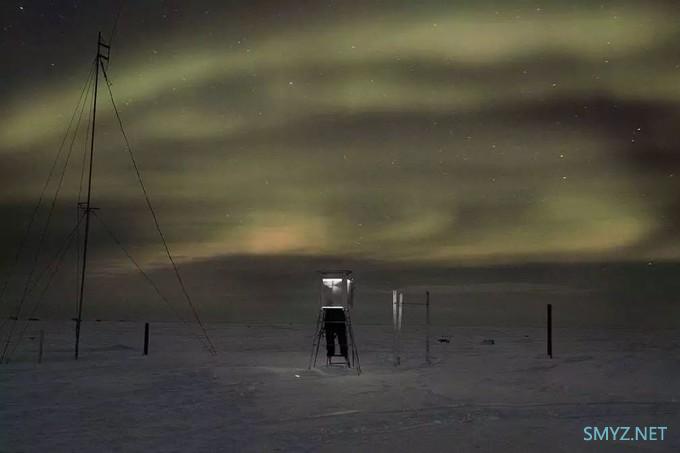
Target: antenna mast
{"points": [[103, 51]]}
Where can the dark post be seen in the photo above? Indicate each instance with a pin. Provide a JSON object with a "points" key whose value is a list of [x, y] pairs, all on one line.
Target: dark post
{"points": [[40, 350], [550, 330], [146, 338], [395, 297], [427, 327], [88, 209]]}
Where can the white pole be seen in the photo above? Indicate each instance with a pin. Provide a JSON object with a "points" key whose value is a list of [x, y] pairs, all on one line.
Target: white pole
{"points": [[401, 308], [344, 293], [399, 311]]}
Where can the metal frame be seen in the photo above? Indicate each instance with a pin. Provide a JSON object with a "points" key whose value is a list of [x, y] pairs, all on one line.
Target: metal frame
{"points": [[347, 302], [397, 321]]}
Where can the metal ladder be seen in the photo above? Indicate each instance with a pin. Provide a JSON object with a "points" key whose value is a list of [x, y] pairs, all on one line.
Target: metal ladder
{"points": [[353, 360]]}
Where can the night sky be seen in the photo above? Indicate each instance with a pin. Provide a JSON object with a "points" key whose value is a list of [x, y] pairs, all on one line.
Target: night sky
{"points": [[510, 140]]}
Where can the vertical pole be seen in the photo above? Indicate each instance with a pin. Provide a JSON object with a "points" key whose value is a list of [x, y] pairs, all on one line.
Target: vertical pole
{"points": [[350, 291], [550, 331], [345, 302], [399, 317], [348, 339], [89, 198], [321, 333], [427, 328], [355, 351], [394, 328], [146, 338], [42, 342], [315, 341]]}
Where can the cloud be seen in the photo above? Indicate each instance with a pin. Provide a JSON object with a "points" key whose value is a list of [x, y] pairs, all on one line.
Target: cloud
{"points": [[432, 134]]}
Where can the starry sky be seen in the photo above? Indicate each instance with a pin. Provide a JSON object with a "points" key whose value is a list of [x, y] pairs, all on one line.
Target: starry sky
{"points": [[401, 138]]}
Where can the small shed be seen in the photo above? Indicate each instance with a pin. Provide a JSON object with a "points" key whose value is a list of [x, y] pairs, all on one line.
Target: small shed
{"points": [[337, 288]]}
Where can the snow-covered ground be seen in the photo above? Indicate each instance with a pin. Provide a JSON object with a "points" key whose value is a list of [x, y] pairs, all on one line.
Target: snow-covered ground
{"points": [[257, 395]]}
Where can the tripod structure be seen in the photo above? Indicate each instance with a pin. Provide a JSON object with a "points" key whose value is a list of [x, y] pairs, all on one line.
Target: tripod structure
{"points": [[86, 211], [334, 320]]}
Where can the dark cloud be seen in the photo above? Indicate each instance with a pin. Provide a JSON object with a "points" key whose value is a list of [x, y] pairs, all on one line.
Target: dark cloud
{"points": [[283, 289]]}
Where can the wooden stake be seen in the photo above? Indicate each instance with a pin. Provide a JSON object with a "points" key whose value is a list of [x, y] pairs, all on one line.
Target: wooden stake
{"points": [[146, 338], [550, 331], [40, 347], [427, 328]]}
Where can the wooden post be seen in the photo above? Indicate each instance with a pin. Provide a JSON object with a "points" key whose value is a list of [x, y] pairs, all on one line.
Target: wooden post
{"points": [[146, 338], [550, 330], [427, 328], [40, 347], [395, 338]]}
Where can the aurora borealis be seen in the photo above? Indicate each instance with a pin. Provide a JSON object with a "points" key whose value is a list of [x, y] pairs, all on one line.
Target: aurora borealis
{"points": [[419, 133]]}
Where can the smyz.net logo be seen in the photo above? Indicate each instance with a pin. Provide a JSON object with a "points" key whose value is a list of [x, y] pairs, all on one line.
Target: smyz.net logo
{"points": [[624, 433]]}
